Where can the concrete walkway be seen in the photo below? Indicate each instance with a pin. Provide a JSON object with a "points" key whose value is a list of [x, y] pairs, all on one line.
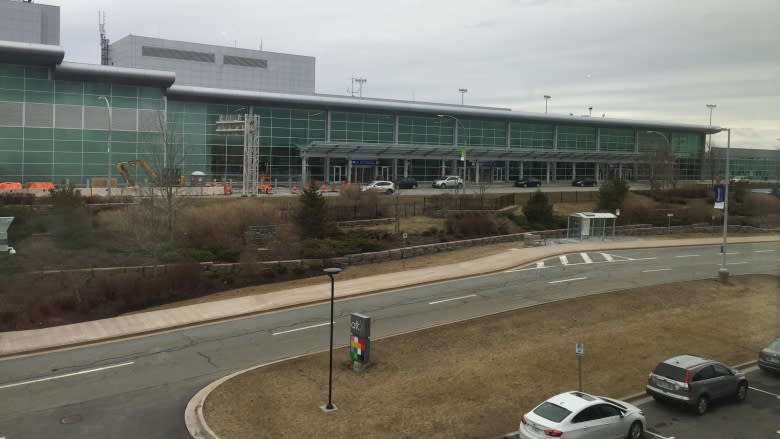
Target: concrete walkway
{"points": [[36, 340]]}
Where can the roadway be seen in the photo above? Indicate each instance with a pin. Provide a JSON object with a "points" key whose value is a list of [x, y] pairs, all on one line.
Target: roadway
{"points": [[139, 387]]}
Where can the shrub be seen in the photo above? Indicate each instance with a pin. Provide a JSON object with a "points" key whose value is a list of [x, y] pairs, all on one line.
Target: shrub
{"points": [[470, 225], [611, 194], [538, 209]]}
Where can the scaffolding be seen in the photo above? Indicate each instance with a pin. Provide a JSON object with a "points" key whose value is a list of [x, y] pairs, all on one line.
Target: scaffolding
{"points": [[249, 126]]}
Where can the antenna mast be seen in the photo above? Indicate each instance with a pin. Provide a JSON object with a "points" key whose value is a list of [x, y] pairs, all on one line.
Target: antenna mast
{"points": [[105, 50]]}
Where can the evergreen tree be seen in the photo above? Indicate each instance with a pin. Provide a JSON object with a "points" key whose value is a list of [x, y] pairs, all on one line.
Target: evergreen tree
{"points": [[611, 194], [311, 214], [538, 209]]}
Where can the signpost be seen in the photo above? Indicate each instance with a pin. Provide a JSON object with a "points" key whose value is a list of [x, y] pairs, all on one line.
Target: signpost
{"points": [[579, 350], [359, 341]]}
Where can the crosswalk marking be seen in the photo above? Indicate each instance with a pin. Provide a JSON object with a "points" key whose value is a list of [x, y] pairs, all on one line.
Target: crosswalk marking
{"points": [[540, 264], [564, 260], [608, 257], [586, 258]]}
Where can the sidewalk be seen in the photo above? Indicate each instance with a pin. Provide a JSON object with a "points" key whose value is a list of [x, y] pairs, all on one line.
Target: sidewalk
{"points": [[30, 341]]}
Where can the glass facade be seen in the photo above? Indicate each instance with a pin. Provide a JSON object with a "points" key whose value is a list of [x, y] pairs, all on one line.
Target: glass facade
{"points": [[57, 130]]}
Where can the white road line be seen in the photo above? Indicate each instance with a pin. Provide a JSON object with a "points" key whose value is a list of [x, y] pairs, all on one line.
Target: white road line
{"points": [[56, 377], [658, 269], [687, 256], [586, 258], [564, 260], [658, 435], [540, 264], [566, 280], [764, 391], [735, 263], [732, 253], [300, 329], [754, 251], [608, 257], [450, 300]]}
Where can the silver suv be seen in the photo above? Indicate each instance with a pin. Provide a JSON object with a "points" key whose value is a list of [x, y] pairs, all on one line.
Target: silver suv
{"points": [[450, 181], [695, 381]]}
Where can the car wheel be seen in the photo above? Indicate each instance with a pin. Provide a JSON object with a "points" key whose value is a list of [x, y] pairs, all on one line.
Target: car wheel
{"points": [[460, 185], [389, 192], [741, 391], [702, 404], [414, 186], [658, 398], [635, 432]]}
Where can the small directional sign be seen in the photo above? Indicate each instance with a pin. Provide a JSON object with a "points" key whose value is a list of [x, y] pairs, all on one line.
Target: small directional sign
{"points": [[579, 349]]}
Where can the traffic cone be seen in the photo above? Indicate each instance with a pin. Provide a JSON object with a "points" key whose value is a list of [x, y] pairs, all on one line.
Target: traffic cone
{"points": [[294, 189]]}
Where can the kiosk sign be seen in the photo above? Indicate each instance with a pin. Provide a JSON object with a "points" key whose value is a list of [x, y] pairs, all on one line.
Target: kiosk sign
{"points": [[720, 196], [359, 340]]}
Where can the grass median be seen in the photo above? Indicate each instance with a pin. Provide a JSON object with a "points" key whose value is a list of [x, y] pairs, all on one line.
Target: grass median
{"points": [[475, 378]]}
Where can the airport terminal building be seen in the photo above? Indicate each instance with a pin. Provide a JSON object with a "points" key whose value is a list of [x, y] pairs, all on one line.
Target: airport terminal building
{"points": [[54, 123]]}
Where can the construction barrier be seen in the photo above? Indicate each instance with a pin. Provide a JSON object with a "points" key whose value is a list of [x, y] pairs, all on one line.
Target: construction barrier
{"points": [[227, 188], [323, 188], [294, 189]]}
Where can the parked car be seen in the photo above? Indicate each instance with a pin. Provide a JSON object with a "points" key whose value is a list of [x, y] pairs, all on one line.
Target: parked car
{"points": [[769, 357], [584, 181], [451, 181], [739, 179], [407, 183], [386, 187], [528, 182], [695, 381], [579, 415]]}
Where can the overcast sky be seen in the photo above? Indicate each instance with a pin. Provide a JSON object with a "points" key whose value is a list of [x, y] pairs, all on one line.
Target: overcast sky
{"points": [[639, 59]]}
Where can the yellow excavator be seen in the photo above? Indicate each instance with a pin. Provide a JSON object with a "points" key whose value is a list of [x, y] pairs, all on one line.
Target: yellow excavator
{"points": [[143, 164]]}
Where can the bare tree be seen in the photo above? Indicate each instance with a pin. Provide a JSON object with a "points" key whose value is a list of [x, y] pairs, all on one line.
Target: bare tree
{"points": [[661, 166], [712, 161]]}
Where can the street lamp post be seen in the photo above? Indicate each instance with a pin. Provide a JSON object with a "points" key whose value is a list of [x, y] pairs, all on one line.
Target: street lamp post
{"points": [[462, 92], [464, 152], [709, 137], [546, 98], [723, 273], [110, 130], [331, 271]]}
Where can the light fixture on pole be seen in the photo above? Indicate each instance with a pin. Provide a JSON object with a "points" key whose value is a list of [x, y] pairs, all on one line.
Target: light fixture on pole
{"points": [[709, 136], [360, 82], [330, 272], [723, 273], [546, 98], [110, 129], [590, 110], [462, 92], [463, 151]]}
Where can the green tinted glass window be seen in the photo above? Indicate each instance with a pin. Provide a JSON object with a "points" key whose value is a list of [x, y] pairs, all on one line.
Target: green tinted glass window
{"points": [[573, 138], [614, 139], [531, 136]]}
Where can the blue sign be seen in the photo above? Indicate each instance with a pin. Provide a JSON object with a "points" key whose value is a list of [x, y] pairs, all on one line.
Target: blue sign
{"points": [[720, 193], [363, 162]]}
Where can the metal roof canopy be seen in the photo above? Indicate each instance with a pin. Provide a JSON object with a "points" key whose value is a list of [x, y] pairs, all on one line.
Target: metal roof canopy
{"points": [[600, 215], [446, 152]]}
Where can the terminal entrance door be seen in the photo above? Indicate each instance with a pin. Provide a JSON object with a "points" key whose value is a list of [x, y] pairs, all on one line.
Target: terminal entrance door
{"points": [[498, 174], [383, 173], [336, 173]]}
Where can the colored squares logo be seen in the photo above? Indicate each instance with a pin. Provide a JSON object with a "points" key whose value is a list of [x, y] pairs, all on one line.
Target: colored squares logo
{"points": [[358, 348]]}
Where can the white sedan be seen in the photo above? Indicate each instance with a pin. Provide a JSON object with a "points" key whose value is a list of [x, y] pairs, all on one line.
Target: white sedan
{"points": [[578, 415]]}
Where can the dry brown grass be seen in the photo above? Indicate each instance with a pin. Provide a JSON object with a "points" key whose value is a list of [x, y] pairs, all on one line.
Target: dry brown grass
{"points": [[475, 378]]}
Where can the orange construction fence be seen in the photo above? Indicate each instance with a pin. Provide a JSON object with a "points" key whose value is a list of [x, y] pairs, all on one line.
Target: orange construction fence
{"points": [[10, 185]]}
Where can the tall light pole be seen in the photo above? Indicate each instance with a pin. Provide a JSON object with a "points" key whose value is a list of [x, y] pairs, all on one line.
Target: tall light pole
{"points": [[110, 130], [723, 273], [331, 272], [546, 98], [709, 136], [463, 152], [360, 82], [462, 92]]}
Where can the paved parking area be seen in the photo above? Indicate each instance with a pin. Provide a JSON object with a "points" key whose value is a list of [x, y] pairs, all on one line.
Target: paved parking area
{"points": [[757, 417]]}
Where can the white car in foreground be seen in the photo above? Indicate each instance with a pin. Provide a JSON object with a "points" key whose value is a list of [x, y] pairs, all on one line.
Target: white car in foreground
{"points": [[578, 415], [383, 186]]}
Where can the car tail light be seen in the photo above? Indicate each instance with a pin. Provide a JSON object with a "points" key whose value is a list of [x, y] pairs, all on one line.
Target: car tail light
{"points": [[522, 419], [553, 432], [762, 355], [686, 380]]}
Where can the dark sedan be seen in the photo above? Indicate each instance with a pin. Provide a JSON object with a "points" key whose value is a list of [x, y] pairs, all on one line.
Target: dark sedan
{"points": [[585, 181], [407, 183], [528, 182], [769, 357]]}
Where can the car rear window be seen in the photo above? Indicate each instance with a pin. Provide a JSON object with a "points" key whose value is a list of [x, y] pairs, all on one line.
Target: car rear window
{"points": [[670, 371], [552, 412]]}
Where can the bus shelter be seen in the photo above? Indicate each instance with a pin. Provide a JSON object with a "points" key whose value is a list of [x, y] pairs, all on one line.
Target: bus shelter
{"points": [[586, 225]]}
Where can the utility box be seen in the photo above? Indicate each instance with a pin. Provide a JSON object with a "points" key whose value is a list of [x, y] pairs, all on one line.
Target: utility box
{"points": [[5, 223]]}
